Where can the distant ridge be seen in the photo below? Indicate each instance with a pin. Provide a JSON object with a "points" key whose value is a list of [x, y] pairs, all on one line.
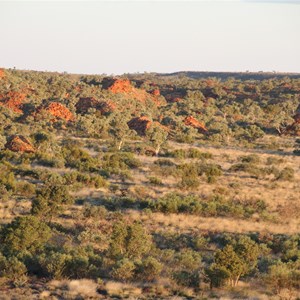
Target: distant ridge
{"points": [[237, 75]]}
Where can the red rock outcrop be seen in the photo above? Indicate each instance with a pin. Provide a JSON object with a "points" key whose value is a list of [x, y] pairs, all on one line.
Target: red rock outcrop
{"points": [[107, 107], [18, 143], [297, 116], [13, 101], [174, 96], [140, 125], [124, 86], [2, 74], [84, 104], [56, 110], [156, 92], [191, 121], [294, 129]]}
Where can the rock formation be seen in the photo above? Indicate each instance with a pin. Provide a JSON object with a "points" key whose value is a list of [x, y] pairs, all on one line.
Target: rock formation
{"points": [[18, 143], [84, 104], [191, 121], [140, 125], [56, 110], [294, 129], [2, 74], [124, 86], [13, 101], [156, 92]]}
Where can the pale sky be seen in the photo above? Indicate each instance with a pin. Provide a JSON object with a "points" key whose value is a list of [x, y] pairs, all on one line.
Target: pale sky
{"points": [[150, 36]]}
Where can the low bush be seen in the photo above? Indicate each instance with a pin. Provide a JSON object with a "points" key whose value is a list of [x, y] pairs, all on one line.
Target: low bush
{"points": [[287, 174], [117, 162], [189, 176], [190, 153], [155, 181], [249, 168], [251, 159]]}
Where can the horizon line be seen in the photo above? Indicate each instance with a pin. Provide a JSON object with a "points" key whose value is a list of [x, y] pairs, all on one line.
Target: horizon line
{"points": [[153, 72]]}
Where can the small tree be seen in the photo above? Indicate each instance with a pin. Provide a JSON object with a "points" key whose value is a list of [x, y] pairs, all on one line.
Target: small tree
{"points": [[138, 241], [118, 240], [2, 141], [25, 234], [53, 264], [131, 241], [157, 135], [252, 133], [189, 176], [120, 130], [233, 261], [150, 269], [283, 276], [50, 200], [11, 268], [123, 270]]}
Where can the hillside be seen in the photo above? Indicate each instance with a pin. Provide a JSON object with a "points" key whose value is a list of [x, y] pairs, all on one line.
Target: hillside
{"points": [[149, 186]]}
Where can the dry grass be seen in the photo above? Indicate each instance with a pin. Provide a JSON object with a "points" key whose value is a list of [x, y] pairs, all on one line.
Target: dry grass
{"points": [[74, 289], [187, 223], [122, 289]]}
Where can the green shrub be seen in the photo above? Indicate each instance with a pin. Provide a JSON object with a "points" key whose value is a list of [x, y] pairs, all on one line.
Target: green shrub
{"points": [[117, 162], [11, 267], [25, 189], [190, 153], [92, 211], [7, 178], [23, 234], [189, 176], [50, 200], [251, 159], [53, 264], [287, 174], [164, 162], [271, 160], [78, 266], [51, 178], [283, 276], [123, 270], [130, 241], [248, 168], [216, 205], [212, 171], [155, 181], [80, 159], [150, 269]]}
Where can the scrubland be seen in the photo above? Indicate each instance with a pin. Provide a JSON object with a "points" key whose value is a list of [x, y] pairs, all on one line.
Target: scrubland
{"points": [[153, 188]]}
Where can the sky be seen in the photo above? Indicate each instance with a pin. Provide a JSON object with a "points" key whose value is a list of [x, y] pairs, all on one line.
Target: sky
{"points": [[116, 37]]}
